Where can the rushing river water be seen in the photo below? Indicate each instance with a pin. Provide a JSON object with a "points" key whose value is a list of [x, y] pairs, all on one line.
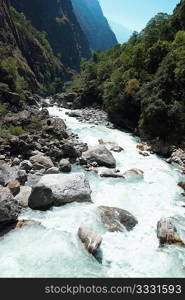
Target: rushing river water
{"points": [[54, 250]]}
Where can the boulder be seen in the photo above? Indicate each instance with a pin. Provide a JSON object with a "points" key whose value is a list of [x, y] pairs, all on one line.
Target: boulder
{"points": [[59, 189], [111, 173], [69, 151], [116, 219], [7, 174], [167, 233], [42, 161], [117, 149], [101, 155], [64, 165], [9, 208], [74, 114], [91, 240], [18, 119], [56, 127], [22, 176], [143, 153], [26, 165], [52, 170], [14, 187], [143, 147], [134, 174], [23, 196]]}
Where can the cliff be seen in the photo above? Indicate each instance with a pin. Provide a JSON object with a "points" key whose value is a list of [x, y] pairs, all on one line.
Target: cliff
{"points": [[94, 24]]}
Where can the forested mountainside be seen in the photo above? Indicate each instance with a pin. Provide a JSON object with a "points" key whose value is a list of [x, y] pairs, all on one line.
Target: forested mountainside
{"points": [[142, 82], [94, 24], [27, 61], [58, 20]]}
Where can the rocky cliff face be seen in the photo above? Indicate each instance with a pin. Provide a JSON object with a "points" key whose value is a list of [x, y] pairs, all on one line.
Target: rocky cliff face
{"points": [[57, 19], [94, 24], [27, 61]]}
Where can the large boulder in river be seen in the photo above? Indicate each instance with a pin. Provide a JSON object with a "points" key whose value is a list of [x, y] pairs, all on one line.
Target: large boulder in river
{"points": [[59, 189], [56, 127], [43, 161], [133, 174], [91, 241], [101, 155], [167, 233], [116, 219], [9, 208]]}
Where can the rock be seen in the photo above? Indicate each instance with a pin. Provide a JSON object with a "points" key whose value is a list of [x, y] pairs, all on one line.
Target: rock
{"points": [[101, 155], [26, 165], [52, 170], [143, 147], [64, 99], [22, 176], [182, 184], [143, 153], [22, 223], [14, 187], [117, 149], [23, 196], [167, 233], [69, 151], [9, 208], [16, 161], [64, 165], [42, 161], [111, 173], [133, 174], [2, 157], [91, 240], [74, 114], [56, 127], [18, 119], [7, 174], [116, 219], [59, 189]]}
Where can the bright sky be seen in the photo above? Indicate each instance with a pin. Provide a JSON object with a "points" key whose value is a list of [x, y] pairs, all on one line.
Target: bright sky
{"points": [[134, 14]]}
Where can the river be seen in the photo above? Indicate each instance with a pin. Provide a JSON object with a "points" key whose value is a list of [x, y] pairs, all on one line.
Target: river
{"points": [[54, 250]]}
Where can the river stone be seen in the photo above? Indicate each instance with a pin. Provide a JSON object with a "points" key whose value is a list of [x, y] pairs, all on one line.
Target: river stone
{"points": [[9, 208], [116, 219], [64, 165], [52, 170], [101, 155], [167, 233], [26, 165], [117, 149], [134, 174], [7, 173], [111, 173], [14, 187], [42, 161], [23, 196], [59, 189]]}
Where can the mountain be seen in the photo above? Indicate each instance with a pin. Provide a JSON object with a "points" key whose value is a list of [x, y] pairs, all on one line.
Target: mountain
{"points": [[122, 33], [27, 61], [94, 24], [57, 19]]}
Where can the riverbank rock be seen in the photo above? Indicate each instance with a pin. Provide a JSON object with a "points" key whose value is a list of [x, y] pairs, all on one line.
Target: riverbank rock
{"points": [[22, 223], [111, 173], [52, 170], [56, 127], [101, 155], [143, 153], [42, 161], [65, 166], [26, 165], [9, 208], [74, 113], [59, 189], [23, 196], [7, 174], [133, 174], [116, 219], [143, 147], [91, 240], [14, 187], [167, 233]]}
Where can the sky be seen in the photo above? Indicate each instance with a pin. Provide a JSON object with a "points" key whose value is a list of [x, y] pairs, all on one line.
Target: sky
{"points": [[135, 14]]}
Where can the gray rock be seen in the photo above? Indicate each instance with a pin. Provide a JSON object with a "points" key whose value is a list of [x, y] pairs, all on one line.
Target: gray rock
{"points": [[22, 176], [9, 208], [117, 149], [101, 155], [133, 174], [41, 161], [74, 114], [52, 170], [111, 173], [116, 219], [7, 174], [64, 165], [91, 240], [167, 233], [59, 189], [57, 127], [69, 151], [14, 187], [23, 196]]}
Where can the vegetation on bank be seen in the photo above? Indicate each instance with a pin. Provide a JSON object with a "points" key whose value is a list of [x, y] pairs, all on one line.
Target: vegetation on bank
{"points": [[142, 82]]}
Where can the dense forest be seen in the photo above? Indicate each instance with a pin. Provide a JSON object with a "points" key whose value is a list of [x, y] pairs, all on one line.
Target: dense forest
{"points": [[142, 82]]}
